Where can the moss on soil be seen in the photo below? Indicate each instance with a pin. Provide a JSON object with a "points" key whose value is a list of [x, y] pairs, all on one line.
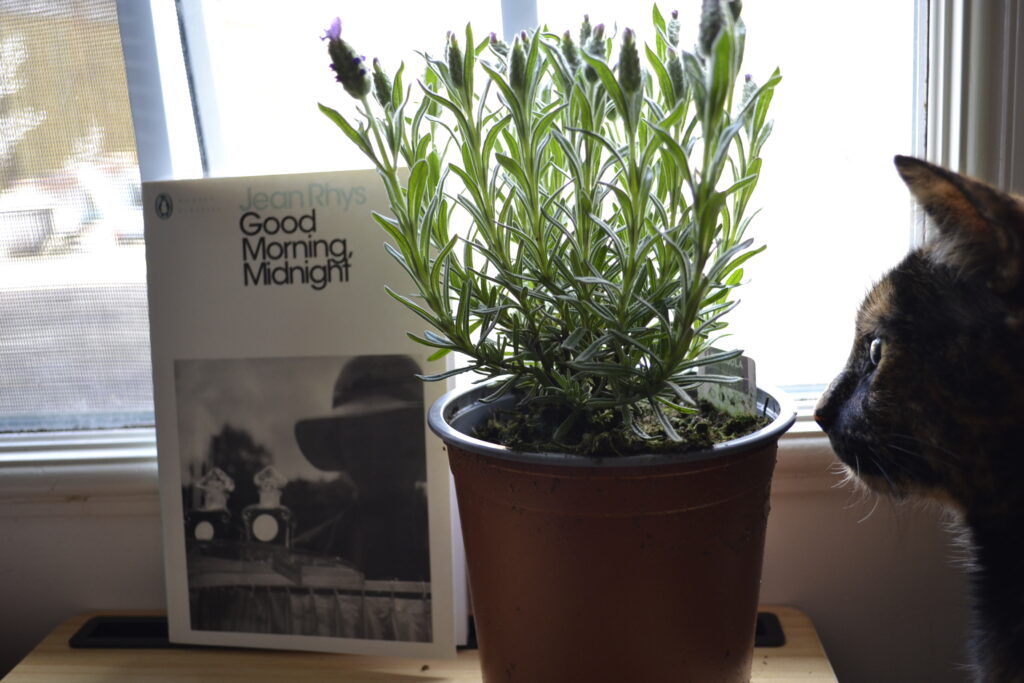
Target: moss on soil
{"points": [[529, 428]]}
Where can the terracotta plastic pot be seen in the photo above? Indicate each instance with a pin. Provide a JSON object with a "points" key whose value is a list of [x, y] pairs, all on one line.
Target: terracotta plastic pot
{"points": [[621, 570]]}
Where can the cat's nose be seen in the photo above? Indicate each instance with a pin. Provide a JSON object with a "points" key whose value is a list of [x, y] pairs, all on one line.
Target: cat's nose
{"points": [[825, 411]]}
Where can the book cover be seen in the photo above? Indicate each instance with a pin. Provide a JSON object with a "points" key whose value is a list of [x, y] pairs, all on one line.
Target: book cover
{"points": [[305, 505]]}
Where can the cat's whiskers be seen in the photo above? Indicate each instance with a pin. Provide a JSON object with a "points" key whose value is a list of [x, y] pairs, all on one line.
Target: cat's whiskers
{"points": [[860, 492], [843, 471], [917, 441], [871, 511], [893, 490]]}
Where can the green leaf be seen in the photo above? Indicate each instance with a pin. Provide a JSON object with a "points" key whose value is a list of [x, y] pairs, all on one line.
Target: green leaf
{"points": [[659, 21], [721, 79], [361, 141], [608, 80], [675, 151], [451, 106], [573, 340], [545, 123], [397, 93], [502, 389], [740, 260], [661, 73], [469, 64], [441, 259], [708, 324], [514, 169], [446, 374], [417, 185], [426, 341], [666, 424], [438, 355], [412, 306]]}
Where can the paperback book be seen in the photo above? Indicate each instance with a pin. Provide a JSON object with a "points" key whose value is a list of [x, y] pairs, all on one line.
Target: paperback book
{"points": [[305, 505]]}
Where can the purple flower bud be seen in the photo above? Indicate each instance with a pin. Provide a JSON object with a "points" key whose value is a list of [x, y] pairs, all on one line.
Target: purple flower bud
{"points": [[630, 77], [712, 20], [334, 32], [749, 88], [517, 67], [595, 48], [347, 65], [381, 85], [585, 30], [570, 53], [673, 29], [677, 76], [499, 46], [456, 70]]}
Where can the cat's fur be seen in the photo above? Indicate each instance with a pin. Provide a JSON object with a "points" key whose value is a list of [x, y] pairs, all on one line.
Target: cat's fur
{"points": [[941, 414]]}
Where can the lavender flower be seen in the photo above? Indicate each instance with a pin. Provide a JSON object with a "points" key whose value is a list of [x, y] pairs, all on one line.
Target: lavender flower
{"points": [[711, 21], [629, 64], [673, 29], [517, 67], [571, 54], [594, 48], [749, 88], [455, 65], [334, 32], [381, 85], [585, 30], [677, 76], [348, 66], [499, 46]]}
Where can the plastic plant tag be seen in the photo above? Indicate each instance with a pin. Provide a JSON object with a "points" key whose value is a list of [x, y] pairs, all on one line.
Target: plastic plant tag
{"points": [[734, 398]]}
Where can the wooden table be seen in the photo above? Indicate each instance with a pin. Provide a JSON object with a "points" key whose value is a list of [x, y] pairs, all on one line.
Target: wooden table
{"points": [[801, 659]]}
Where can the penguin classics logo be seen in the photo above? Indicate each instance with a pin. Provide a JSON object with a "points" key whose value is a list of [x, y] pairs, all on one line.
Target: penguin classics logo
{"points": [[164, 206]]}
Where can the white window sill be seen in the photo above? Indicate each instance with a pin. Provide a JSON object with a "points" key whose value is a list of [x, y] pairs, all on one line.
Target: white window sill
{"points": [[105, 472], [116, 471]]}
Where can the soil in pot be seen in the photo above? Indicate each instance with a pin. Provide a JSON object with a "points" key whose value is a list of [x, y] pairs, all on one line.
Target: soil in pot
{"points": [[528, 428]]}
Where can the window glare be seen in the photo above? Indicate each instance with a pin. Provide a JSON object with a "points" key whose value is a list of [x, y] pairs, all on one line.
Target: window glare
{"points": [[270, 69], [833, 211], [834, 214]]}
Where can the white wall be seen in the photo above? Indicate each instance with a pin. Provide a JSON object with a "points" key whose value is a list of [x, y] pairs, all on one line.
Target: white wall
{"points": [[886, 602], [883, 590]]}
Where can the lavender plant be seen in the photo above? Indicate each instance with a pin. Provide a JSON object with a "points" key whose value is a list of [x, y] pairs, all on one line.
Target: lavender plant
{"points": [[606, 206]]}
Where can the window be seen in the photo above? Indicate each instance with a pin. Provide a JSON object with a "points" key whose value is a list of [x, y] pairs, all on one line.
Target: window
{"points": [[73, 324], [258, 73], [74, 340]]}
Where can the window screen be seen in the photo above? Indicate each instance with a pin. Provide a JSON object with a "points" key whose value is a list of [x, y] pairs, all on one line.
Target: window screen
{"points": [[74, 340]]}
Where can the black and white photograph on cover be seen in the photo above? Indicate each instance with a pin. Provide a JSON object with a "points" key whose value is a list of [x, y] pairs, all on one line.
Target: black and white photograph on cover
{"points": [[304, 496]]}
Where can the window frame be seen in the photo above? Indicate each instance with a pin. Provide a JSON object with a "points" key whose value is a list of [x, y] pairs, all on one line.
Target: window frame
{"points": [[953, 38]]}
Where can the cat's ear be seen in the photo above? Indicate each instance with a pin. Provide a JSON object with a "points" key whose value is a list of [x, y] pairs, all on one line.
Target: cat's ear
{"points": [[978, 228]]}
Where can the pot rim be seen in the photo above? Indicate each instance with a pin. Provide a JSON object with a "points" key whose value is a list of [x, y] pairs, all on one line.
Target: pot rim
{"points": [[462, 402]]}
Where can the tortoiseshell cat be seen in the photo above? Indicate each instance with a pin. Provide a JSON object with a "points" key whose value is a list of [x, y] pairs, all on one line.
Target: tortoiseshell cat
{"points": [[931, 401]]}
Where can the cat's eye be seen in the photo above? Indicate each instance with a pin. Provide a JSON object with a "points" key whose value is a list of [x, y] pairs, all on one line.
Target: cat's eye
{"points": [[875, 352]]}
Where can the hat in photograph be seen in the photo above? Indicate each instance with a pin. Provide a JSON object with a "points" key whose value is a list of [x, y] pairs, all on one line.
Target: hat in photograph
{"points": [[377, 406]]}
